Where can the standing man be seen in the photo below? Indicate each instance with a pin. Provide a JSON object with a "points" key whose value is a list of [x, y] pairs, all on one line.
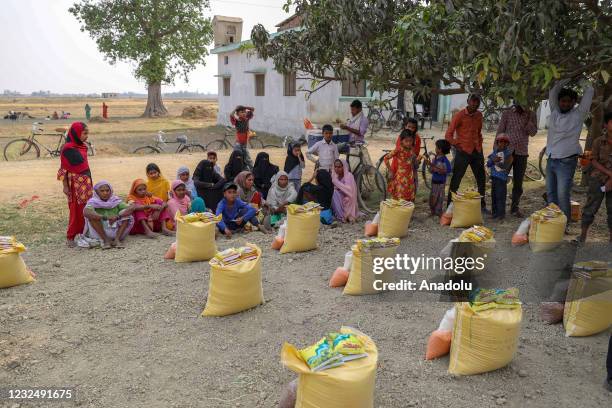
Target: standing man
{"points": [[518, 124], [104, 110], [87, 112], [357, 124], [465, 134], [563, 144], [240, 118]]}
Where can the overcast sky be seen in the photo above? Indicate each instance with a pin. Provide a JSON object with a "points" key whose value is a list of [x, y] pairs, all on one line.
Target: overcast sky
{"points": [[42, 48]]}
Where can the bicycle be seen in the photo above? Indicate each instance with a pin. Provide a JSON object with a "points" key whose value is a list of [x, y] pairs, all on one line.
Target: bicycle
{"points": [[286, 141], [29, 148], [228, 143], [371, 185], [160, 146], [581, 171], [377, 119]]}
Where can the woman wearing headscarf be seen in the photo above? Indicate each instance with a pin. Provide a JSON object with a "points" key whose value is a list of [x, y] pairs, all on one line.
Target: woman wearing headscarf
{"points": [[321, 192], [150, 213], [246, 189], [234, 165], [263, 171], [180, 202], [107, 217], [75, 175], [294, 163], [184, 175], [344, 200], [157, 184], [281, 194], [209, 184]]}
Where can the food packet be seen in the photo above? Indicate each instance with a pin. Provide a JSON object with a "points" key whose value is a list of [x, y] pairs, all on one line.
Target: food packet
{"points": [[377, 243], [348, 345], [477, 233], [320, 356]]}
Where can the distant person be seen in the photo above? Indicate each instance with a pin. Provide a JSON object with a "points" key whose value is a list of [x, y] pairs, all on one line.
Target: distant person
{"points": [[240, 118], [357, 124], [55, 116], [281, 194], [181, 202], [413, 125], [401, 184], [322, 192], [294, 164], [104, 110], [87, 112], [326, 151], [75, 175], [184, 175], [247, 191], [563, 141]]}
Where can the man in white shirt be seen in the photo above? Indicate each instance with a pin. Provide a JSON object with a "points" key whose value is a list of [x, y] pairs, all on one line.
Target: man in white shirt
{"points": [[325, 150], [563, 144]]}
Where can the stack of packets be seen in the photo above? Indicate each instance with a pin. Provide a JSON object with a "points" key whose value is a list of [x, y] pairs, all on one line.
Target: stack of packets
{"points": [[9, 245], [547, 213], [233, 256], [389, 202], [333, 350], [485, 299], [468, 194], [374, 243], [204, 217], [477, 233], [308, 207]]}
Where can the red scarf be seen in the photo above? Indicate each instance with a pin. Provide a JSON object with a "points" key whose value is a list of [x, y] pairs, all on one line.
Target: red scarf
{"points": [[74, 153]]}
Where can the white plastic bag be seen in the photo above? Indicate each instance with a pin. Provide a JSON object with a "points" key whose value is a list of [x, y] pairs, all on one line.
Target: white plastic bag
{"points": [[348, 260], [523, 229], [376, 219], [448, 321], [282, 230], [449, 209]]}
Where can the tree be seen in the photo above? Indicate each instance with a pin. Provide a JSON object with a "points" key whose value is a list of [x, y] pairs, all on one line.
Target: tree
{"points": [[503, 49], [164, 38]]}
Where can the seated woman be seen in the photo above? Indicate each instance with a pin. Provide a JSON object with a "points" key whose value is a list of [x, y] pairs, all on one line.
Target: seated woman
{"points": [[263, 171], [209, 184], [246, 189], [184, 175], [180, 202], [150, 212], [234, 166], [321, 192], [344, 200], [107, 217], [281, 194]]}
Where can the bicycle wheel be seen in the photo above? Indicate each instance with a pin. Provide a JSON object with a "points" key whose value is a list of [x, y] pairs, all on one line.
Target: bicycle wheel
{"points": [[381, 167], [192, 148], [20, 150], [372, 189], [376, 121], [542, 162], [396, 121], [533, 173], [255, 143], [216, 145], [144, 150]]}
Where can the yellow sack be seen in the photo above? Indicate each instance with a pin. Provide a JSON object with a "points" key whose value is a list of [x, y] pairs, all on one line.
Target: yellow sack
{"points": [[13, 270], [588, 306], [546, 229], [302, 231], [466, 210], [483, 341], [361, 278], [195, 239], [394, 220], [349, 385], [235, 288]]}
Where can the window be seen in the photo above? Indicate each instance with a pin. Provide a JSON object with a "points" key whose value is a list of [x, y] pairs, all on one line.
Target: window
{"points": [[260, 85], [289, 84], [225, 60], [352, 88], [226, 87]]}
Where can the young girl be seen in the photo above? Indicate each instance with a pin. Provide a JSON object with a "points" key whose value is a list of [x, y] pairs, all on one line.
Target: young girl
{"points": [[150, 212], [180, 202], [263, 171], [76, 177], [344, 200], [294, 163], [157, 185], [246, 189], [183, 174], [281, 194], [107, 217], [401, 185], [440, 167], [412, 125]]}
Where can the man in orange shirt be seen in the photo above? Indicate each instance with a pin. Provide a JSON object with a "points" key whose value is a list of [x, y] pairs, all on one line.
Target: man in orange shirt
{"points": [[465, 134]]}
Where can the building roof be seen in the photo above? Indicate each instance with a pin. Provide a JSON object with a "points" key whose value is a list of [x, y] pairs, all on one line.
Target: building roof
{"points": [[235, 46], [285, 21], [227, 19]]}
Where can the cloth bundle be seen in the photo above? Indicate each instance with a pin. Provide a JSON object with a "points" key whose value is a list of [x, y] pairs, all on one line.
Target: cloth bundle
{"points": [[13, 270]]}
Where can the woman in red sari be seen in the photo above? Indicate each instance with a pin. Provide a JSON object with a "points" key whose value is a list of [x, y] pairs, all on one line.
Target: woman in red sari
{"points": [[401, 185], [75, 174]]}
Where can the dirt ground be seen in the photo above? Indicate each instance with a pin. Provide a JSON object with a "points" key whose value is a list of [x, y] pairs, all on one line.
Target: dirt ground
{"points": [[123, 327]]}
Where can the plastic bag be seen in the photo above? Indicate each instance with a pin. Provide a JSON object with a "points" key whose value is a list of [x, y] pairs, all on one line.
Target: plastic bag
{"points": [[551, 312], [171, 253], [341, 274], [447, 216], [521, 237], [287, 399], [279, 239], [439, 342]]}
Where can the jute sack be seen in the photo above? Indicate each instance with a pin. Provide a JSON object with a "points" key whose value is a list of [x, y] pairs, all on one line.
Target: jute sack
{"points": [[13, 270], [466, 211], [302, 231], [195, 241], [394, 220]]}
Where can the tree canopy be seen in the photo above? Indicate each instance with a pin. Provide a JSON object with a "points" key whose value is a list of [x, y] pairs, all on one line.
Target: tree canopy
{"points": [[163, 38]]}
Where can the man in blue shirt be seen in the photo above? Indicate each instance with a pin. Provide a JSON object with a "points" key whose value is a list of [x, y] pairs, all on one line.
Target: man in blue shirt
{"points": [[235, 212]]}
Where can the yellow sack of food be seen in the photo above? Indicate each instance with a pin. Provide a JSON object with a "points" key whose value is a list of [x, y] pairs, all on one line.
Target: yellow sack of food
{"points": [[483, 340], [349, 385], [234, 288], [195, 237], [13, 270], [302, 229], [395, 216], [547, 228], [362, 278], [588, 306], [466, 210]]}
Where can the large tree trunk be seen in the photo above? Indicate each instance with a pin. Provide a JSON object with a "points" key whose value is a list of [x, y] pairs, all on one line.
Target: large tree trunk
{"points": [[602, 103], [155, 105]]}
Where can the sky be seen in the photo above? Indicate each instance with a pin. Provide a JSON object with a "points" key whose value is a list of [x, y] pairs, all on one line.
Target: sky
{"points": [[42, 48]]}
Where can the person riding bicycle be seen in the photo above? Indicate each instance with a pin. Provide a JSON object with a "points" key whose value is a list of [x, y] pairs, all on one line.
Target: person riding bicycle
{"points": [[240, 118]]}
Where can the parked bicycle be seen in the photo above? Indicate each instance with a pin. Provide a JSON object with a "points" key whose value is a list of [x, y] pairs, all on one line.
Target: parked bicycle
{"points": [[371, 184], [228, 141], [184, 146], [29, 148], [286, 141], [377, 119], [581, 171]]}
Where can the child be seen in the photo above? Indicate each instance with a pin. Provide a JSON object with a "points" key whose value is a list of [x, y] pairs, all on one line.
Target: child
{"points": [[240, 118], [235, 212], [180, 202], [212, 157], [157, 185], [150, 212], [499, 163], [325, 150], [294, 163], [440, 167], [413, 125], [184, 175], [401, 184]]}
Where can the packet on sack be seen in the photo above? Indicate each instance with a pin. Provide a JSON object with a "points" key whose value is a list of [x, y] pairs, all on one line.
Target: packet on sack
{"points": [[477, 233], [321, 356], [347, 345], [233, 256], [308, 207], [485, 299], [373, 243], [10, 245]]}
